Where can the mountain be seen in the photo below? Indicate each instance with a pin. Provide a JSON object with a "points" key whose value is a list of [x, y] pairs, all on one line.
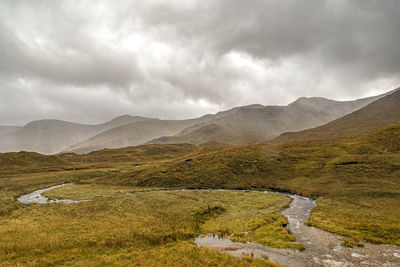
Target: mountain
{"points": [[257, 123], [240, 125], [378, 114], [53, 136], [134, 134], [8, 129]]}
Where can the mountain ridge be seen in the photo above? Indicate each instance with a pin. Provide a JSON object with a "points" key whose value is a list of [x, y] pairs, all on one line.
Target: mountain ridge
{"points": [[381, 113], [257, 123], [240, 125]]}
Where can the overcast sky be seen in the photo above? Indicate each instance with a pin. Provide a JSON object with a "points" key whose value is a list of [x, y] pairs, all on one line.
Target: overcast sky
{"points": [[89, 61]]}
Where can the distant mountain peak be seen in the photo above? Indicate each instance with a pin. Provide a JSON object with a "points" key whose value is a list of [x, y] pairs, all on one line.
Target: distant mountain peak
{"points": [[40, 123], [307, 100], [122, 118], [254, 106]]}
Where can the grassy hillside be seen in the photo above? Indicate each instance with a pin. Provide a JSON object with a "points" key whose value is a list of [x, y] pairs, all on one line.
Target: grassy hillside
{"points": [[30, 162], [135, 155], [381, 113]]}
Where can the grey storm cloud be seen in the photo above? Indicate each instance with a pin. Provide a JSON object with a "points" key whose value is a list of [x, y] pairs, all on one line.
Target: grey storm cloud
{"points": [[91, 60]]}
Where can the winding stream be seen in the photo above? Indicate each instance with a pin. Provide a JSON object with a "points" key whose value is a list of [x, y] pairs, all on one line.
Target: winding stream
{"points": [[36, 197], [321, 248]]}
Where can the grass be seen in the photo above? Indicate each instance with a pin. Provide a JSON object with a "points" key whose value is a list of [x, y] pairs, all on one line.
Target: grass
{"points": [[257, 214], [172, 254], [254, 220], [143, 228]]}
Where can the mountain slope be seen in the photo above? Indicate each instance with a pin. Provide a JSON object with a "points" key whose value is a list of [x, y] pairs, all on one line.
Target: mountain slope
{"points": [[241, 125], [53, 136], [380, 113], [8, 129], [133, 134], [256, 123]]}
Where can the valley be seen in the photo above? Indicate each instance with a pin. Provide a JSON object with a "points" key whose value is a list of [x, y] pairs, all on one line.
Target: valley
{"points": [[142, 205], [199, 133]]}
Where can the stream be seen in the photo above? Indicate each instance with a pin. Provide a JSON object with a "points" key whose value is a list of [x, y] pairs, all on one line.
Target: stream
{"points": [[321, 248], [36, 197]]}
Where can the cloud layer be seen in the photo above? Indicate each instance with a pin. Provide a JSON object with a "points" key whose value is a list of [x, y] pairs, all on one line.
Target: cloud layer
{"points": [[89, 61]]}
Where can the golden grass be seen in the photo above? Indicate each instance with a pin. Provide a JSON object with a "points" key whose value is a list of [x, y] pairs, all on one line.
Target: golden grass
{"points": [[172, 254], [144, 222]]}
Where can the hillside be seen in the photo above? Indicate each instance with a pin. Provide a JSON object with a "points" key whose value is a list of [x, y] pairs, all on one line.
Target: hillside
{"points": [[133, 134], [30, 162], [381, 113], [8, 129], [53, 136], [257, 123]]}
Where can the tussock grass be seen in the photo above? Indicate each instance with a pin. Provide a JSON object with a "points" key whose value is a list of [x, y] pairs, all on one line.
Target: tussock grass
{"points": [[173, 254]]}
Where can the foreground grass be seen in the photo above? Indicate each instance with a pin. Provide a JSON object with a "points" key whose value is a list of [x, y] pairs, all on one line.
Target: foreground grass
{"points": [[173, 254], [144, 228]]}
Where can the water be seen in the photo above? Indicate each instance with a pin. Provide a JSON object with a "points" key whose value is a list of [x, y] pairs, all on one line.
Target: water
{"points": [[321, 248], [36, 197]]}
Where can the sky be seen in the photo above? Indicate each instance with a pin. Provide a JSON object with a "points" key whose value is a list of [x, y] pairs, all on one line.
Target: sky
{"points": [[89, 61]]}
